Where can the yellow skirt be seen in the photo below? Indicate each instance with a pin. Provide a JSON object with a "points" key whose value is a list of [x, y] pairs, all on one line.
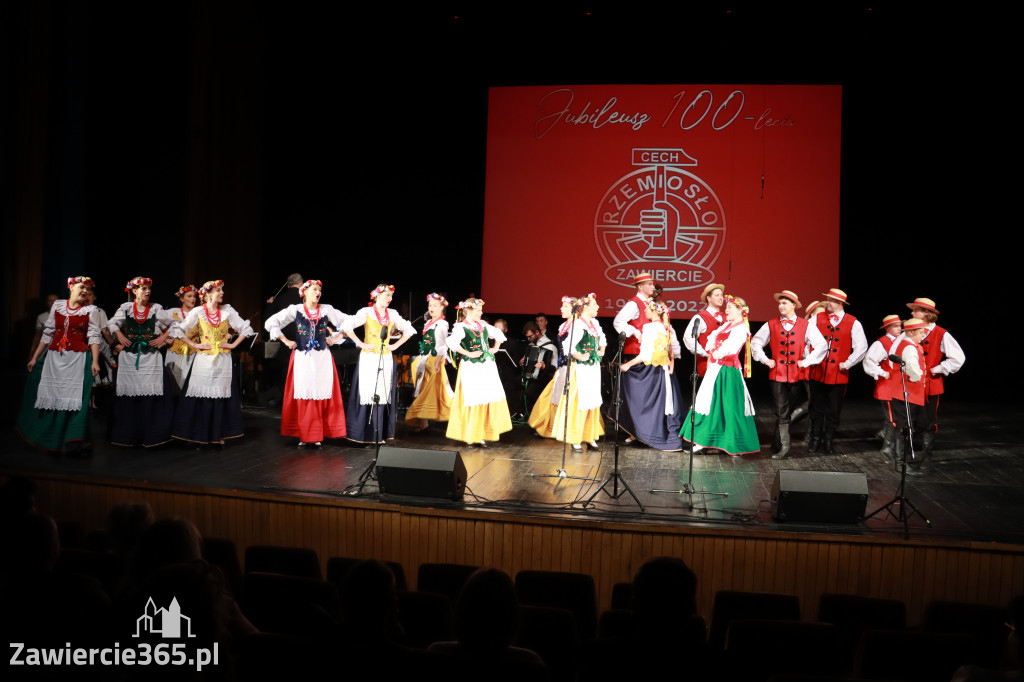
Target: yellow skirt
{"points": [[583, 427], [542, 417], [476, 423], [434, 400]]}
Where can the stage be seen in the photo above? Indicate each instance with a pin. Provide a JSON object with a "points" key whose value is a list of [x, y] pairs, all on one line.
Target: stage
{"points": [[972, 490], [262, 489]]}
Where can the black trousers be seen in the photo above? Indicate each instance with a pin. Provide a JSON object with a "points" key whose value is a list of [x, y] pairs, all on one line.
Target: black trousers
{"points": [[826, 404]]}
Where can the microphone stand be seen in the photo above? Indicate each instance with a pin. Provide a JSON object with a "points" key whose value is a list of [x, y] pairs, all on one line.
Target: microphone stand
{"points": [[374, 419], [561, 472], [615, 478], [688, 488], [901, 514]]}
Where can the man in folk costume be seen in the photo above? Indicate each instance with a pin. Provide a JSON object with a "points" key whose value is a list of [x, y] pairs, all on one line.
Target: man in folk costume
{"points": [[630, 321], [942, 356], [705, 322], [845, 347], [887, 383], [787, 337], [909, 348]]}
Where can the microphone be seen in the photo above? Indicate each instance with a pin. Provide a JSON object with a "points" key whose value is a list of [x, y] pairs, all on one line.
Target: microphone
{"points": [[622, 337], [383, 334], [897, 359]]}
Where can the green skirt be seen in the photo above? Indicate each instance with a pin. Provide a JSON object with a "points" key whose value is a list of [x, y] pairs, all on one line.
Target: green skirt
{"points": [[725, 427], [53, 429]]}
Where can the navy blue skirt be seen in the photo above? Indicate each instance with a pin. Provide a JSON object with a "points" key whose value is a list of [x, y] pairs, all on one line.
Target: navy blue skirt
{"points": [[643, 407], [385, 416], [208, 420]]}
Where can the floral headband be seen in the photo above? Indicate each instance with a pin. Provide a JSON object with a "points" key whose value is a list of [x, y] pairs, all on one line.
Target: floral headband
{"points": [[739, 303], [659, 308], [211, 285], [380, 290], [138, 282], [308, 283], [439, 298], [587, 300], [180, 293], [571, 300], [81, 279], [470, 303]]}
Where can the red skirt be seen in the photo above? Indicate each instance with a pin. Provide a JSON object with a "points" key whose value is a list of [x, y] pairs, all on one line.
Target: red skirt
{"points": [[312, 421]]}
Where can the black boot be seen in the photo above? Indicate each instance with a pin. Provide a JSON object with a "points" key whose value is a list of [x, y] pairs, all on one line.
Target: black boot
{"points": [[830, 434], [784, 440], [814, 443], [889, 442], [901, 449], [927, 441]]}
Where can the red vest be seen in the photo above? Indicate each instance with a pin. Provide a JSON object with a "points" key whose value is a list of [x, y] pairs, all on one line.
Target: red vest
{"points": [[840, 346], [787, 349], [77, 330], [632, 346], [887, 389], [931, 348], [710, 325], [917, 391]]}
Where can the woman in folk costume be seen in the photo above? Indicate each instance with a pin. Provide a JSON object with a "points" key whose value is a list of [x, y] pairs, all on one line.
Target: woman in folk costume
{"points": [[479, 410], [210, 411], [312, 409], [585, 343], [433, 396], [142, 411], [724, 414], [542, 417], [654, 396], [379, 322], [179, 355], [54, 413]]}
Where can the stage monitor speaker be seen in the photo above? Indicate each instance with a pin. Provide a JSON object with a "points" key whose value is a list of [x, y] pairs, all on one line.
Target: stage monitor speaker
{"points": [[819, 496], [421, 473]]}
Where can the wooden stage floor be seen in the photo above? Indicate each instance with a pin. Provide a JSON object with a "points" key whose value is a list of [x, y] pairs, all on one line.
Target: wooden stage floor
{"points": [[972, 492]]}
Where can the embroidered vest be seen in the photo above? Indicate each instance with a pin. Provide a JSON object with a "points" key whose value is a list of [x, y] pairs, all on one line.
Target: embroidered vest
{"points": [[178, 345], [70, 333], [308, 337], [787, 349], [213, 335], [632, 345], [887, 389], [371, 333], [839, 340], [588, 343], [476, 340], [710, 325], [662, 344], [931, 348], [428, 344]]}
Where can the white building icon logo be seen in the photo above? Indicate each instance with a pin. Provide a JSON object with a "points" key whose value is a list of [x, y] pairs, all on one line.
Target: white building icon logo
{"points": [[165, 622]]}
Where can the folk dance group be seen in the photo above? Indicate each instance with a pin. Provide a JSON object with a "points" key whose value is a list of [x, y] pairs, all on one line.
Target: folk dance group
{"points": [[191, 393], [810, 355]]}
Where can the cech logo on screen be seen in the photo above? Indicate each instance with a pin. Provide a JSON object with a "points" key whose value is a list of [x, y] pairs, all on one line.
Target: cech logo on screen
{"points": [[661, 219]]}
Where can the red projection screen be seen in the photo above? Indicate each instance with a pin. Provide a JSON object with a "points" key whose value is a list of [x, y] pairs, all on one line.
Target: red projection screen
{"points": [[588, 185]]}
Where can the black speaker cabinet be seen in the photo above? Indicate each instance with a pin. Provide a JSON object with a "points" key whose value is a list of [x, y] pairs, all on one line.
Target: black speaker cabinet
{"points": [[422, 473], [819, 496]]}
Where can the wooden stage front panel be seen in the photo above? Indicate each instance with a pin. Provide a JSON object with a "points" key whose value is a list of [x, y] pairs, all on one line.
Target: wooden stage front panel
{"points": [[915, 571]]}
